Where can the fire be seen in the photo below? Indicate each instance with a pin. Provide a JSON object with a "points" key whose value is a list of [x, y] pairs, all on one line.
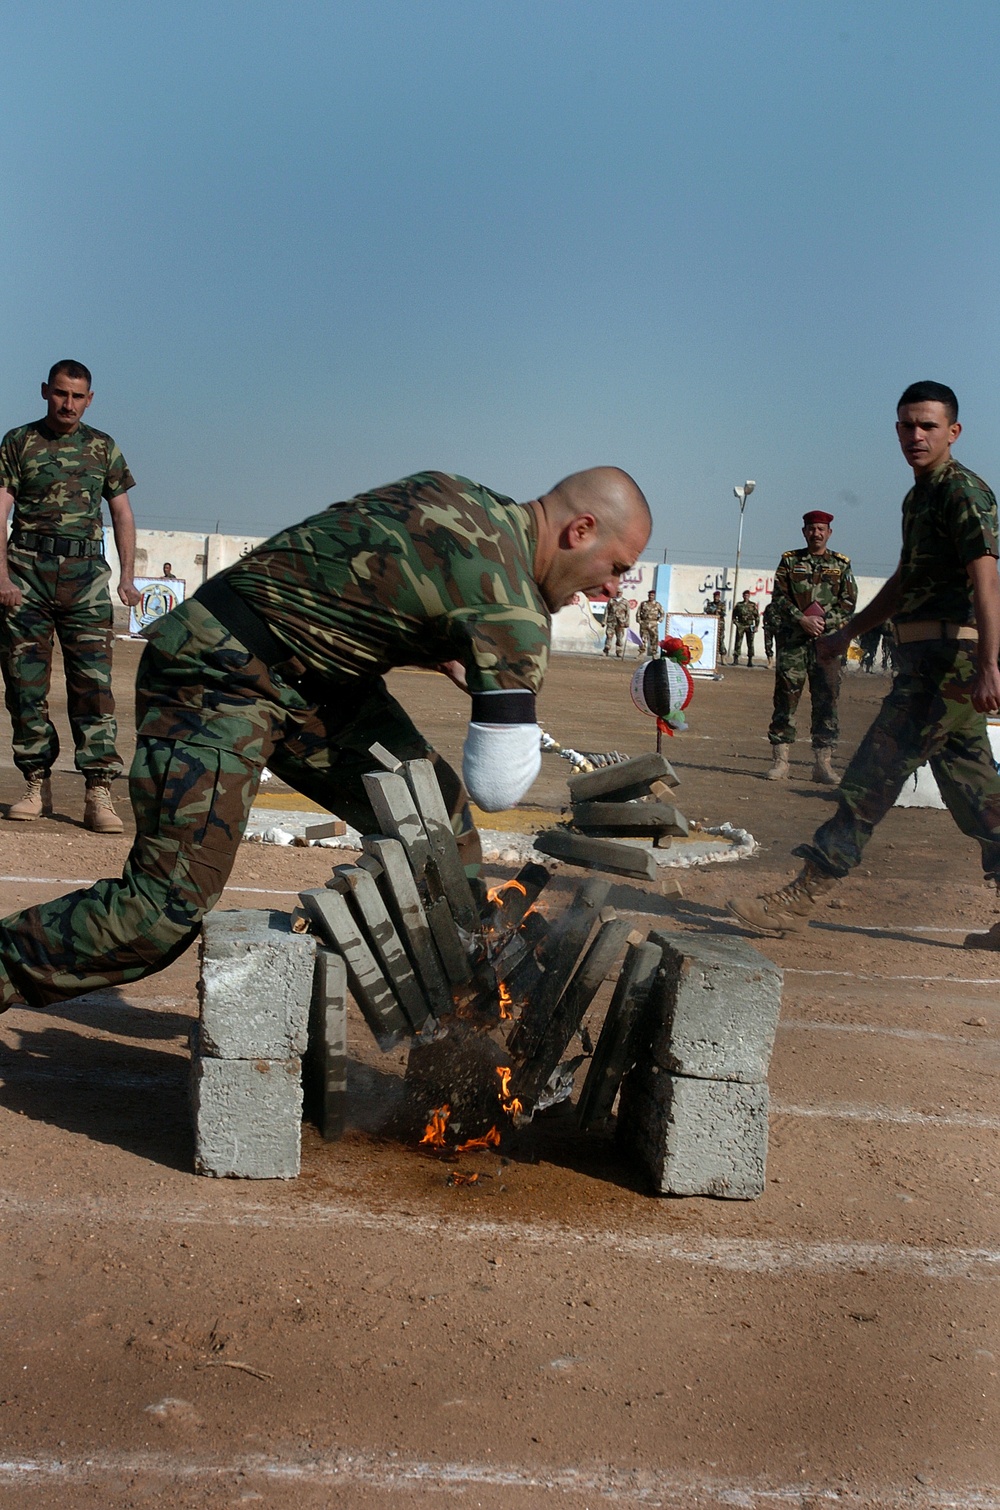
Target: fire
{"points": [[495, 893], [458, 1177], [510, 1104], [506, 1001], [435, 1129], [488, 1140]]}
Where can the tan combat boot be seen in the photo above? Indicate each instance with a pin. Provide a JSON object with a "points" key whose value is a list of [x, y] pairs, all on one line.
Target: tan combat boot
{"points": [[823, 771], [779, 763], [37, 799], [787, 910], [98, 812]]}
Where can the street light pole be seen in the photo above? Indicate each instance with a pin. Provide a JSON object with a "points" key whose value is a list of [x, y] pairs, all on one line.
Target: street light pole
{"points": [[741, 494]]}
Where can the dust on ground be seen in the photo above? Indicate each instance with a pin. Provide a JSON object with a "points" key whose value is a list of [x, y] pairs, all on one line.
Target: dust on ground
{"points": [[369, 1334]]}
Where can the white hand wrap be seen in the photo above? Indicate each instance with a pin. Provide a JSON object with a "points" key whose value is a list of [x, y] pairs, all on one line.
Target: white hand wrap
{"points": [[499, 763]]}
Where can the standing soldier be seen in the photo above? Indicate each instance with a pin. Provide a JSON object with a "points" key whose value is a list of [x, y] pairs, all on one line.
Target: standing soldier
{"points": [[768, 622], [944, 599], [746, 621], [649, 617], [616, 624], [814, 594], [54, 581]]}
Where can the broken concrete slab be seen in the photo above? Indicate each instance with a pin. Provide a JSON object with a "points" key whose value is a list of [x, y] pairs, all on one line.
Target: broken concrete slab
{"points": [[631, 778], [255, 985], [639, 819], [357, 883], [695, 1137], [324, 1068], [619, 1039], [619, 858], [399, 891], [373, 993], [714, 1009], [396, 812], [423, 783]]}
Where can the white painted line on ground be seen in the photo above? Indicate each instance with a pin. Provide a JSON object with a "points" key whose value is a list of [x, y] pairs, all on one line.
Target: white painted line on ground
{"points": [[890, 1114], [917, 1035], [947, 980], [654, 1487], [734, 1254]]}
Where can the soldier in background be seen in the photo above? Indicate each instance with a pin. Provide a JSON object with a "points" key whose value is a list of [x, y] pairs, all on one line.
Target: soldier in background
{"points": [[746, 621], [616, 624], [768, 622], [649, 618], [716, 608], [814, 594], [54, 582]]}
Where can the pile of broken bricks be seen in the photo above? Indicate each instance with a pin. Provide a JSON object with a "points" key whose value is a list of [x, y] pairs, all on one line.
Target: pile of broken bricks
{"points": [[619, 816], [492, 994]]}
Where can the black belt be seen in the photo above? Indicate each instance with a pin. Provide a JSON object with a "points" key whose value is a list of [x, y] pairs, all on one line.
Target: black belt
{"points": [[55, 545], [235, 614]]}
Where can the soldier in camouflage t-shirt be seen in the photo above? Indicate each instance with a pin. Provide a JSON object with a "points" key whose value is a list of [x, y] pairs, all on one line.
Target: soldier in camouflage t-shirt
{"points": [[54, 474], [280, 661], [944, 598]]}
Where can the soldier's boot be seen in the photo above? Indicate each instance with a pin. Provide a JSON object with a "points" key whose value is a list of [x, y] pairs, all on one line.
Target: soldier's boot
{"points": [[779, 763], [770, 662], [789, 909], [37, 798], [823, 772], [98, 810]]}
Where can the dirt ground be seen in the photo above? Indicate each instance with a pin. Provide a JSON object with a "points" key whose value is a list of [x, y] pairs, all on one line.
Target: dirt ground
{"points": [[369, 1334]]}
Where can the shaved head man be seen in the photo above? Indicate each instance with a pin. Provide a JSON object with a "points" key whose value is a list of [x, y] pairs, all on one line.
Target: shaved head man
{"points": [[280, 661]]}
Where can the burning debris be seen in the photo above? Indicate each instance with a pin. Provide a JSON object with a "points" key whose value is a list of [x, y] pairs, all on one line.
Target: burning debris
{"points": [[489, 990]]}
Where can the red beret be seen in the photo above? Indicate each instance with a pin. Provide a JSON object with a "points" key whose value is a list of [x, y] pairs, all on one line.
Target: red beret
{"points": [[817, 516]]}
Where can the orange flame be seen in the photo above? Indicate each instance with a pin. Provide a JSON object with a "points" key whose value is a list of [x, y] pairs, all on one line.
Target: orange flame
{"points": [[459, 1177], [506, 1001], [434, 1131], [488, 1140], [510, 1104], [495, 893]]}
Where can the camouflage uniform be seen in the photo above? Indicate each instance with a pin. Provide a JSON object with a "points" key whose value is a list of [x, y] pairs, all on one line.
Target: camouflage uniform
{"points": [[616, 624], [55, 556], [746, 620], [768, 624], [649, 615], [949, 519], [802, 579], [431, 569]]}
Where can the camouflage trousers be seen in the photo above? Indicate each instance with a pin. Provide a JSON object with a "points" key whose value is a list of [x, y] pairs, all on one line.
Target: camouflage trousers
{"points": [[69, 598], [650, 636], [927, 716], [741, 635], [798, 663], [768, 641], [618, 632], [209, 716]]}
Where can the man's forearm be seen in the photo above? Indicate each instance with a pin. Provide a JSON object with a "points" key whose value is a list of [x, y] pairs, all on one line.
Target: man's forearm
{"points": [[986, 602], [881, 607], [123, 526]]}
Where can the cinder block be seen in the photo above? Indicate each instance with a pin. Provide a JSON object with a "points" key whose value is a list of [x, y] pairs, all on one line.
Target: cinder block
{"points": [[696, 1137], [324, 1068], [256, 985], [247, 1117], [714, 1008]]}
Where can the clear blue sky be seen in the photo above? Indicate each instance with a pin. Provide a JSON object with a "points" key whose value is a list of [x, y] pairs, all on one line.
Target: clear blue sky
{"points": [[307, 248]]}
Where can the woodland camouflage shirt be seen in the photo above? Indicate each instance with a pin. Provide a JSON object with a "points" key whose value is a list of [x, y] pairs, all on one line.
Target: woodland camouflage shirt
{"points": [[430, 569], [58, 481], [949, 519], [746, 615], [803, 579]]}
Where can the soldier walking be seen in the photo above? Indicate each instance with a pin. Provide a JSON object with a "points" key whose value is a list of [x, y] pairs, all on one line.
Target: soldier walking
{"points": [[814, 594], [768, 624], [944, 598], [649, 618], [746, 621], [54, 581], [616, 624]]}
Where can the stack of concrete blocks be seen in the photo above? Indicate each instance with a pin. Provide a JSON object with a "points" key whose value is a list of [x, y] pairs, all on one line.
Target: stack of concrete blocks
{"points": [[694, 1108], [256, 988]]}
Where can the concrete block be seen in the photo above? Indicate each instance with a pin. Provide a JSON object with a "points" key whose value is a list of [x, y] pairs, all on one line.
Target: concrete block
{"points": [[619, 857], [696, 1137], [247, 1117], [324, 1068], [255, 987], [713, 1011]]}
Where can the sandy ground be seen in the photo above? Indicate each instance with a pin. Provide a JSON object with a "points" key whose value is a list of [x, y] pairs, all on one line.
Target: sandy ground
{"points": [[368, 1334]]}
